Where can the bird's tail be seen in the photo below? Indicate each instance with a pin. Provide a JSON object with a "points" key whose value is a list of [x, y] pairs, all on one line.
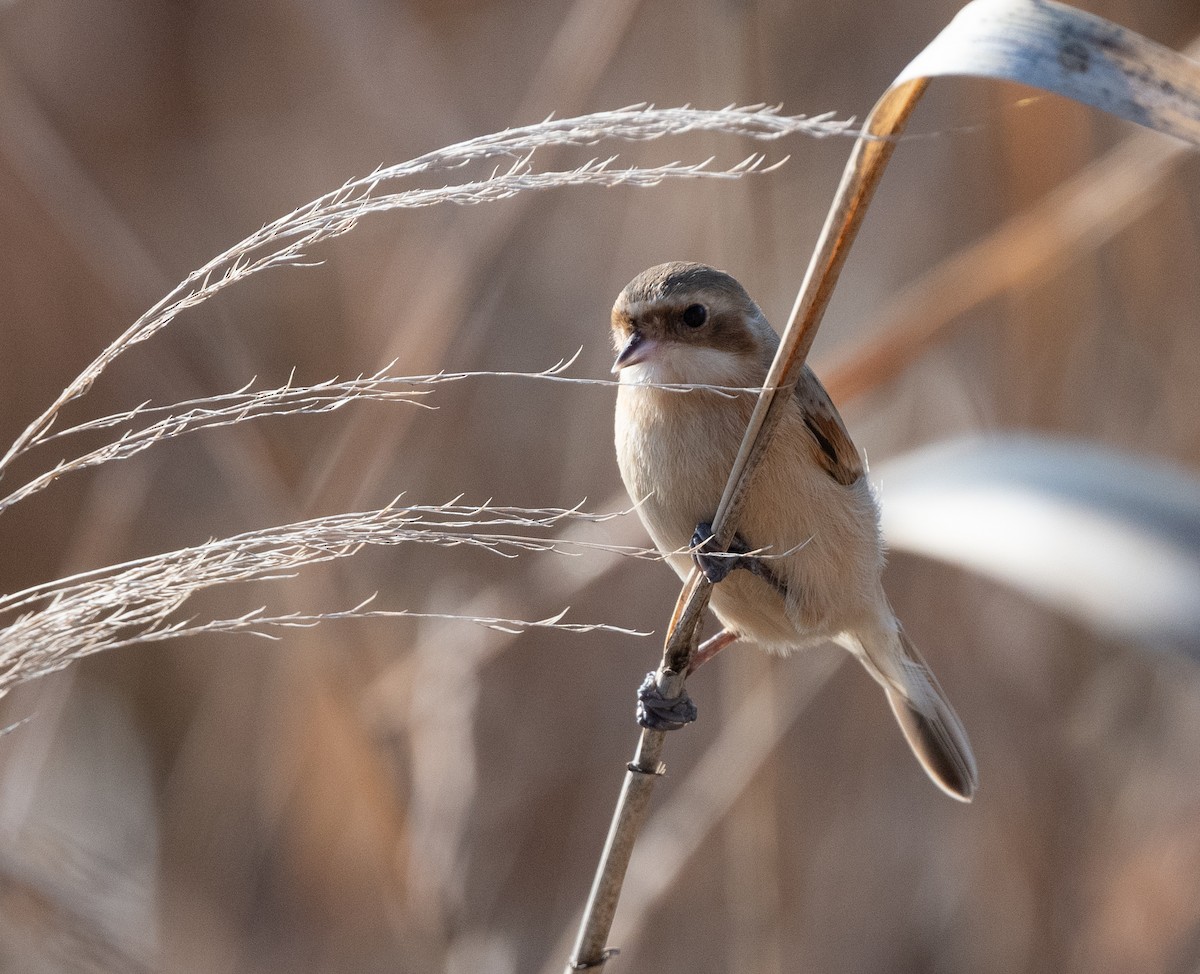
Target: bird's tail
{"points": [[929, 723]]}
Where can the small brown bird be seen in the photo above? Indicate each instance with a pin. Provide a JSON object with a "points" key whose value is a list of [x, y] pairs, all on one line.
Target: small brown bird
{"points": [[809, 531]]}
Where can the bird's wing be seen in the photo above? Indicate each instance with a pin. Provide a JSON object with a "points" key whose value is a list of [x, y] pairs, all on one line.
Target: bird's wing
{"points": [[832, 447]]}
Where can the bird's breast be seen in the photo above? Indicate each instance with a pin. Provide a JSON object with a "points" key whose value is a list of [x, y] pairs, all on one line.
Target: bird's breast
{"points": [[675, 458], [675, 451]]}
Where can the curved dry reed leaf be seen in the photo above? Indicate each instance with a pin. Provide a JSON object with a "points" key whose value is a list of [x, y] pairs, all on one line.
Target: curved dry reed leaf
{"points": [[1110, 539], [1083, 212], [1071, 53], [1078, 216]]}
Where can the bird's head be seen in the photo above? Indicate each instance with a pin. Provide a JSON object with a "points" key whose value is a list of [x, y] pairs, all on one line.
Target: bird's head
{"points": [[689, 323]]}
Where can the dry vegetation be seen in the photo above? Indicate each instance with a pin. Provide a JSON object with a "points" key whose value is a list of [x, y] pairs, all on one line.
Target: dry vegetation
{"points": [[420, 794]]}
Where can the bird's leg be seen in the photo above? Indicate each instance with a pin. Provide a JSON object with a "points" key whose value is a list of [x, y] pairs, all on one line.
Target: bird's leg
{"points": [[710, 647], [653, 709], [716, 564]]}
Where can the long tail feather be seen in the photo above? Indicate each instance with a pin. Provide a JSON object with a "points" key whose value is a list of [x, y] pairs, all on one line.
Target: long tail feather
{"points": [[931, 726]]}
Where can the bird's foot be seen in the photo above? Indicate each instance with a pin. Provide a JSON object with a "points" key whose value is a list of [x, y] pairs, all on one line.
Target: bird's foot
{"points": [[716, 564], [656, 712]]}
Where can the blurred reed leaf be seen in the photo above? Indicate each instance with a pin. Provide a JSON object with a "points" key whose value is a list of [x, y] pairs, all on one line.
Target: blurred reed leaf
{"points": [[1110, 539]]}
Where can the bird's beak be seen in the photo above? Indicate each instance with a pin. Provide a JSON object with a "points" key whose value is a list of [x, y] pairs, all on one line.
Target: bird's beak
{"points": [[637, 348]]}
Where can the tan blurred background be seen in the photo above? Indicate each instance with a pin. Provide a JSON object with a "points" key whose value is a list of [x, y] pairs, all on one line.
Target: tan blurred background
{"points": [[407, 796]]}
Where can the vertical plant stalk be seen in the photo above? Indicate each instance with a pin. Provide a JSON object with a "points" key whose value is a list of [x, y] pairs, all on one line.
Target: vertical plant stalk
{"points": [[859, 180], [1035, 42]]}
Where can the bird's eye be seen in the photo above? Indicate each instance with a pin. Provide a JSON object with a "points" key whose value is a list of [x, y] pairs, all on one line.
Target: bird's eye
{"points": [[694, 315]]}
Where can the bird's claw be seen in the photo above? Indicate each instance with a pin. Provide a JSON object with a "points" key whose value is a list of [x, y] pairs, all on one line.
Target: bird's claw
{"points": [[656, 712], [716, 564]]}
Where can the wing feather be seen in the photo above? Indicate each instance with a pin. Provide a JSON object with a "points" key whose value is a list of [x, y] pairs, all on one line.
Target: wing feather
{"points": [[832, 447]]}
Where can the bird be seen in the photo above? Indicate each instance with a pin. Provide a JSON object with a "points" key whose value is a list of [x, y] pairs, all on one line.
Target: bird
{"points": [[692, 349]]}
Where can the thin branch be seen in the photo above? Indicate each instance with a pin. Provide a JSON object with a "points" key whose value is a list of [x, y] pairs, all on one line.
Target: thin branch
{"points": [[679, 829]]}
